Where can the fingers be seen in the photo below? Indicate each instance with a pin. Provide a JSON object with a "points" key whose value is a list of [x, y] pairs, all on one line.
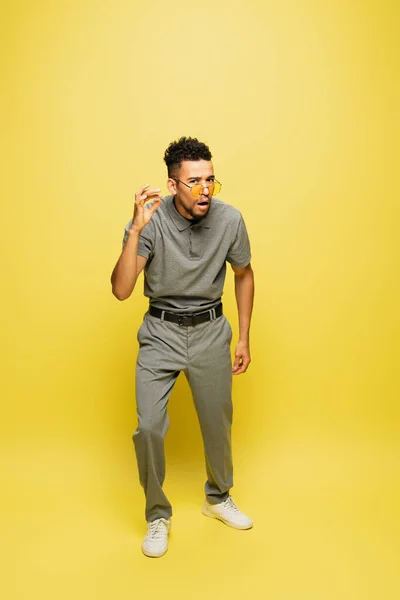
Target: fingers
{"points": [[154, 206], [240, 365], [236, 364], [145, 193]]}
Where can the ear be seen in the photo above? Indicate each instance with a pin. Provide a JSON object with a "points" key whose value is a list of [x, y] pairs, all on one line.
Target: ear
{"points": [[171, 183]]}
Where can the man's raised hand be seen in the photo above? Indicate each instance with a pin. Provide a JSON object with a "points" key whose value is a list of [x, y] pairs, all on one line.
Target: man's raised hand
{"points": [[141, 216]]}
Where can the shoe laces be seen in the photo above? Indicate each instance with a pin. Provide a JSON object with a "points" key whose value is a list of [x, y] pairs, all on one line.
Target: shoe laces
{"points": [[230, 505], [157, 529]]}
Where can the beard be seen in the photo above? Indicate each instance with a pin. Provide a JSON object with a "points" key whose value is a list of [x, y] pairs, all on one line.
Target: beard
{"points": [[191, 210]]}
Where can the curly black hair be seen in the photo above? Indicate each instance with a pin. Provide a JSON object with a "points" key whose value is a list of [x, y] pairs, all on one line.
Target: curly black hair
{"points": [[186, 148]]}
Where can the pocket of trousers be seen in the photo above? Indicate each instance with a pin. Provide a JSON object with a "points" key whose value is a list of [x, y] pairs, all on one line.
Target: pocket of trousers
{"points": [[229, 328], [140, 330]]}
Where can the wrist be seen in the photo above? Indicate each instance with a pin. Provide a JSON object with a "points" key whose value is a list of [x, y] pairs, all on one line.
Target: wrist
{"points": [[135, 230]]}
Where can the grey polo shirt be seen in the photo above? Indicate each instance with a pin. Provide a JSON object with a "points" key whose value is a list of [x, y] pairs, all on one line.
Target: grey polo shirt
{"points": [[186, 262]]}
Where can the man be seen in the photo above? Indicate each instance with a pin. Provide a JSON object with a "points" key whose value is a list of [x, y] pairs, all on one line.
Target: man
{"points": [[182, 243]]}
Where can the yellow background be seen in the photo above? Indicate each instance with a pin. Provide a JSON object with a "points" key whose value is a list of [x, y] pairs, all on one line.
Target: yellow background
{"points": [[298, 101]]}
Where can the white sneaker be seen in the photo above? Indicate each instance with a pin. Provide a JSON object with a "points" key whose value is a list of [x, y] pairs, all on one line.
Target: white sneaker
{"points": [[155, 543], [228, 513]]}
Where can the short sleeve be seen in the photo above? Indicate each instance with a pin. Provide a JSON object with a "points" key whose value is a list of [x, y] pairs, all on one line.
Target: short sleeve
{"points": [[239, 253], [146, 244]]}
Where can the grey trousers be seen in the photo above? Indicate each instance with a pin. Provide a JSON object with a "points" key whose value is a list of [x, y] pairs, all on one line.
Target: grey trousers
{"points": [[202, 352]]}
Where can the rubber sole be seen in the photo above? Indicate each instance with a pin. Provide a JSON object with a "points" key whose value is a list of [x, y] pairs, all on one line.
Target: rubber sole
{"points": [[154, 555]]}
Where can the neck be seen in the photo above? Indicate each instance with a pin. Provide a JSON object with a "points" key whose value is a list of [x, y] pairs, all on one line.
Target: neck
{"points": [[182, 211]]}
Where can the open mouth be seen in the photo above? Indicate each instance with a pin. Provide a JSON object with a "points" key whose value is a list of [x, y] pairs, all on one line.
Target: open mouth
{"points": [[203, 203]]}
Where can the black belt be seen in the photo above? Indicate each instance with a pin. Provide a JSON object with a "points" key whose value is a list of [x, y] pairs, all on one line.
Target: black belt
{"points": [[187, 319]]}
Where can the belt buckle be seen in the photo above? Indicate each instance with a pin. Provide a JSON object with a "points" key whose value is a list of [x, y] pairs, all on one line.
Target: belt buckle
{"points": [[185, 320]]}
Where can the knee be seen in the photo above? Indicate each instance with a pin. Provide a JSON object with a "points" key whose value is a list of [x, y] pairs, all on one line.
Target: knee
{"points": [[150, 430]]}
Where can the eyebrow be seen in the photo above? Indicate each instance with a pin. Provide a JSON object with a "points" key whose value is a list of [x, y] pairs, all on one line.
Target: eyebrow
{"points": [[199, 178]]}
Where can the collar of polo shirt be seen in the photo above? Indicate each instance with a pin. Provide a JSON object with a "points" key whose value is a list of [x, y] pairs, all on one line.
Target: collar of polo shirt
{"points": [[182, 223]]}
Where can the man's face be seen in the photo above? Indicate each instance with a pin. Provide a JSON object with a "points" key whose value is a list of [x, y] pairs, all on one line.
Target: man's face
{"points": [[190, 173]]}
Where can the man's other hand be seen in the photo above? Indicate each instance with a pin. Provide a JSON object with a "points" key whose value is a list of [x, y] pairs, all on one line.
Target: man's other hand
{"points": [[242, 358]]}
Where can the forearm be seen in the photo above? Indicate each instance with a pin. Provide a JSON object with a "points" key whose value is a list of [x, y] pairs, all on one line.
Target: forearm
{"points": [[124, 275], [244, 292]]}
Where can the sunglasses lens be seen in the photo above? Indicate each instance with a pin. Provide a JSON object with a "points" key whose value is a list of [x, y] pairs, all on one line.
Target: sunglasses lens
{"points": [[197, 190], [214, 188]]}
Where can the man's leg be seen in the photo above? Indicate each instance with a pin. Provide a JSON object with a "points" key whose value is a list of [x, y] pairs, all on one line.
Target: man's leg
{"points": [[209, 374], [152, 394], [157, 369]]}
